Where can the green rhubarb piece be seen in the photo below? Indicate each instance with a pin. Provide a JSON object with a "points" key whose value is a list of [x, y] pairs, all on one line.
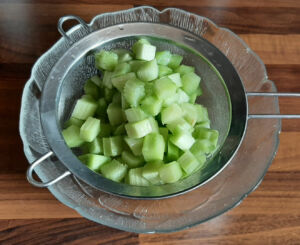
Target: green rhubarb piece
{"points": [[73, 121], [175, 77], [124, 55], [164, 71], [145, 51], [135, 114], [137, 43], [90, 129], [151, 105], [107, 79], [119, 81], [109, 94], [91, 88], [163, 57], [120, 130], [105, 130], [135, 145], [114, 112], [136, 64], [154, 125], [96, 146], [93, 161], [182, 139], [97, 80], [190, 82], [113, 146], [136, 178], [131, 160], [170, 100], [202, 114], [151, 172], [184, 69], [208, 134], [139, 129], [171, 113], [175, 61], [121, 69], [171, 172], [153, 147], [116, 98], [114, 170], [84, 108], [164, 132], [72, 136], [190, 113], [164, 87], [106, 60], [188, 162], [173, 152], [102, 107], [148, 71], [182, 96], [134, 91], [180, 124]]}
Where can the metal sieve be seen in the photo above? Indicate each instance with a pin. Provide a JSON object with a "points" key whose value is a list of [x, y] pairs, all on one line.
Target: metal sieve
{"points": [[223, 95]]}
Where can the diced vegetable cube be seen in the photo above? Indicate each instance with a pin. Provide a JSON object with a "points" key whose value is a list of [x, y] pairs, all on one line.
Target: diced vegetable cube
{"points": [[106, 60], [84, 108], [135, 145], [96, 79], [151, 105], [148, 71], [175, 77], [113, 146], [72, 136], [184, 69], [153, 147], [151, 172], [114, 113], [170, 173], [96, 146], [164, 87], [131, 160], [114, 170], [121, 69], [119, 81], [173, 152], [190, 82], [90, 129], [175, 61], [171, 113], [73, 121], [93, 161], [134, 91], [164, 71], [91, 88], [145, 52], [135, 114], [188, 162], [138, 129], [135, 177], [183, 140], [163, 57]]}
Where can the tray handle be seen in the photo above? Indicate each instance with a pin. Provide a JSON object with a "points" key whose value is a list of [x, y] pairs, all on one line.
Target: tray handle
{"points": [[36, 183], [63, 19], [279, 116]]}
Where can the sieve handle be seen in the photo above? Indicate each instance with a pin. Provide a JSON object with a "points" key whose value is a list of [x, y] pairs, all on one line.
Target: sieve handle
{"points": [[63, 19], [276, 116], [36, 183]]}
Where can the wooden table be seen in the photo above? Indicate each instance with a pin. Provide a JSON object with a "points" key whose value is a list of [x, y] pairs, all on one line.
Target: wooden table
{"points": [[270, 215]]}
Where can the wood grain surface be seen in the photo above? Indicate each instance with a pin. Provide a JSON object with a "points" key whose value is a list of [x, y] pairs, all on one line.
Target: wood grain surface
{"points": [[270, 215]]}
